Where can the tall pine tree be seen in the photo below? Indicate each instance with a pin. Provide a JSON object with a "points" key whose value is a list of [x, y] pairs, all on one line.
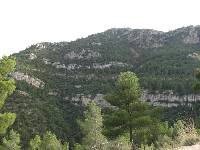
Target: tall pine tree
{"points": [[7, 87], [92, 129], [48, 142], [132, 116]]}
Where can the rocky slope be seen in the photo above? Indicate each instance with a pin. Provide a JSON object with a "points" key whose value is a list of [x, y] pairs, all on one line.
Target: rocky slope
{"points": [[54, 80]]}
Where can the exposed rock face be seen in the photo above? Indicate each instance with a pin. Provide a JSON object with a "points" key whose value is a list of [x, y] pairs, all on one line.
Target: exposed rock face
{"points": [[46, 61], [77, 86], [59, 66], [30, 80], [53, 93], [146, 38], [85, 99], [192, 37], [32, 56], [96, 65], [73, 66], [165, 99], [101, 101], [88, 76], [54, 64], [41, 46], [193, 55], [69, 67], [96, 43], [82, 54], [23, 93], [73, 55], [103, 66], [168, 98], [135, 53]]}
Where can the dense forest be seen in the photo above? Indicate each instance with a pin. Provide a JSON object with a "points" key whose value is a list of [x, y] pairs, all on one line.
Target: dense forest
{"points": [[86, 94], [129, 125]]}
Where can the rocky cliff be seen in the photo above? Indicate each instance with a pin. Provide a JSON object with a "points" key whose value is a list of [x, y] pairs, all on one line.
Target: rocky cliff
{"points": [[55, 80]]}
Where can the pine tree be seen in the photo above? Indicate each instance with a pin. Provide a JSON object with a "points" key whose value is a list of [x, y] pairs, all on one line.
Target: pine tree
{"points": [[132, 116], [78, 147], [12, 141], [35, 143], [91, 128], [121, 143], [7, 87], [127, 94], [48, 142]]}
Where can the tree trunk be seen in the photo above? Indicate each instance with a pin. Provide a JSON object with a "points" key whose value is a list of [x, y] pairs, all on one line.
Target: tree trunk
{"points": [[130, 128], [131, 133]]}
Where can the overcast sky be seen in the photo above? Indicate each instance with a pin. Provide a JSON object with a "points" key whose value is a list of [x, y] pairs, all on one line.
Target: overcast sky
{"points": [[26, 22]]}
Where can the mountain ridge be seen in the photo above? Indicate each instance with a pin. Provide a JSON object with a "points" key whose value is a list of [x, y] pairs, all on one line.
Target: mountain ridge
{"points": [[55, 80], [181, 29]]}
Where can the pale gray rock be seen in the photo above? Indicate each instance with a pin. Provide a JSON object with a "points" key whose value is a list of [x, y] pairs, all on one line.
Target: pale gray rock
{"points": [[55, 63], [23, 93], [53, 93], [78, 86], [86, 99], [82, 54], [193, 55], [46, 61], [96, 43], [101, 66], [66, 98], [61, 66], [40, 46], [146, 38], [165, 99], [192, 37], [32, 56], [73, 67], [113, 63], [30, 80], [168, 98]]}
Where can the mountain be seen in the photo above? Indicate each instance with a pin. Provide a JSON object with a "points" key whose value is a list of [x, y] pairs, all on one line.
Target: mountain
{"points": [[56, 80]]}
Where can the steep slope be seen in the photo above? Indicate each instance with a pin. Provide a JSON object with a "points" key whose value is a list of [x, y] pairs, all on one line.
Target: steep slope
{"points": [[54, 80]]}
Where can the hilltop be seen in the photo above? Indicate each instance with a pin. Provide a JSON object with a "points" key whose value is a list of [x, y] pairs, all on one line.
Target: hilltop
{"points": [[56, 80]]}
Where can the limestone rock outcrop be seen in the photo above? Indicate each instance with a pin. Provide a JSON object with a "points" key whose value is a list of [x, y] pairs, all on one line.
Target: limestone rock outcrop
{"points": [[30, 80]]}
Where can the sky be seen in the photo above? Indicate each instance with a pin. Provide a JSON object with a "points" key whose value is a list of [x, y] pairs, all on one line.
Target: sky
{"points": [[27, 22]]}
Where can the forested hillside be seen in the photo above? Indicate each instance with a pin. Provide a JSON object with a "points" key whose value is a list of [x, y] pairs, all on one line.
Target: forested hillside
{"points": [[55, 81]]}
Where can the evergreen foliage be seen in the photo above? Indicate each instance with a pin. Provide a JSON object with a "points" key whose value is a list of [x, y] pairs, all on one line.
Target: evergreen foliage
{"points": [[132, 116], [48, 142], [91, 128], [7, 87], [161, 61], [11, 142]]}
